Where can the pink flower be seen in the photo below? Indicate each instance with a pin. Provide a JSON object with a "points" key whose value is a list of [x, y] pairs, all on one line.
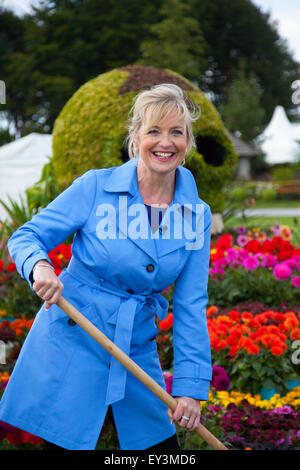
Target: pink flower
{"points": [[242, 255], [261, 259], [251, 263], [213, 271], [291, 263], [231, 254], [296, 281], [281, 271], [220, 263], [241, 230], [270, 261], [242, 240]]}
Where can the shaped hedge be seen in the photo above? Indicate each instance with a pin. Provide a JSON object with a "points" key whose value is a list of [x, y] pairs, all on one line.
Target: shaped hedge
{"points": [[91, 129]]}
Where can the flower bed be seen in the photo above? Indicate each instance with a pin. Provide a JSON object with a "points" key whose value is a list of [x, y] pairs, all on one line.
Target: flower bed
{"points": [[254, 267], [254, 326]]}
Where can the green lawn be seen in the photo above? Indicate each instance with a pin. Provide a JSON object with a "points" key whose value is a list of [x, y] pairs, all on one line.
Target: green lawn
{"points": [[260, 204]]}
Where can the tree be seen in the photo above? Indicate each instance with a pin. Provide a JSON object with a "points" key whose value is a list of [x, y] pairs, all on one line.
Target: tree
{"points": [[242, 111], [176, 42], [238, 29]]}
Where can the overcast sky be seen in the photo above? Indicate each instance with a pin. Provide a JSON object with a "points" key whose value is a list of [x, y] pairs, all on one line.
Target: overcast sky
{"points": [[285, 12]]}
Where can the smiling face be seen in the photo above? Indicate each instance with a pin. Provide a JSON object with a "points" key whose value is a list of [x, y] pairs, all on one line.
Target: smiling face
{"points": [[162, 145]]}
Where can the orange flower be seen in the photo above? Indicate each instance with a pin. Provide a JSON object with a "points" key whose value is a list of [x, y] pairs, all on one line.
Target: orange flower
{"points": [[285, 232], [290, 323], [236, 331], [276, 350], [295, 334], [245, 342], [246, 316], [232, 341], [253, 349], [211, 310], [222, 344]]}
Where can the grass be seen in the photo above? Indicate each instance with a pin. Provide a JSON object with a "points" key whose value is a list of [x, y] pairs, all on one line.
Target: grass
{"points": [[280, 204]]}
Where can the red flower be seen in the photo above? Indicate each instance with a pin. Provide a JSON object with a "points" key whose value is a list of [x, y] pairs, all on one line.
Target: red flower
{"points": [[283, 255], [253, 349], [233, 351], [277, 350], [1, 265], [55, 260], [224, 242], [167, 322], [267, 247], [234, 315], [11, 267], [253, 246]]}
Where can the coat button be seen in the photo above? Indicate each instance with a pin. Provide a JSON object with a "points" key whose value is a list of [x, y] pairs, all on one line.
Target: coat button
{"points": [[71, 322], [130, 291], [150, 268]]}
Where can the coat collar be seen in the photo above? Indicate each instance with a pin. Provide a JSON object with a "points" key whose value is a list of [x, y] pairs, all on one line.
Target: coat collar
{"points": [[123, 179]]}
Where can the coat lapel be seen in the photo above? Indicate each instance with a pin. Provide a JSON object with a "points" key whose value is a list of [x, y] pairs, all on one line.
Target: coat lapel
{"points": [[179, 221], [123, 179]]}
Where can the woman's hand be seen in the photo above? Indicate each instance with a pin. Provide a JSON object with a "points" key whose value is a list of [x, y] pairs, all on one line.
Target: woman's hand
{"points": [[46, 283], [188, 407]]}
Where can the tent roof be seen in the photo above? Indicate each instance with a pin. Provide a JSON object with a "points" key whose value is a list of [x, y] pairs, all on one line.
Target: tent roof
{"points": [[21, 164], [279, 139]]}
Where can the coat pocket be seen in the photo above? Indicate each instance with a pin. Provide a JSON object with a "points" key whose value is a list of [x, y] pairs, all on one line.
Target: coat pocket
{"points": [[61, 323]]}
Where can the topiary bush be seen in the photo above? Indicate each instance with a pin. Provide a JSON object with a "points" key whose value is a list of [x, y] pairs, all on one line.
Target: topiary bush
{"points": [[91, 129]]}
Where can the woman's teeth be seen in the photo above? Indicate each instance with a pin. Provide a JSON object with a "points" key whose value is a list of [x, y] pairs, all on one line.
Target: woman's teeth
{"points": [[163, 154]]}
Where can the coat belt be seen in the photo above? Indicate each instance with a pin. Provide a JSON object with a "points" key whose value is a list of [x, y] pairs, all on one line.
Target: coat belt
{"points": [[124, 322]]}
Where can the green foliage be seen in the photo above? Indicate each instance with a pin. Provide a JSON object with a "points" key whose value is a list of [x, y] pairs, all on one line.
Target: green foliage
{"points": [[284, 172], [17, 299], [242, 111], [44, 191], [5, 137], [264, 370], [45, 58], [91, 129], [18, 213], [225, 25], [239, 285], [268, 194], [176, 42]]}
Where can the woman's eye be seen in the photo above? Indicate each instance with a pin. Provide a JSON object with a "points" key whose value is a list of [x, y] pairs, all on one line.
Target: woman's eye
{"points": [[177, 131], [153, 131]]}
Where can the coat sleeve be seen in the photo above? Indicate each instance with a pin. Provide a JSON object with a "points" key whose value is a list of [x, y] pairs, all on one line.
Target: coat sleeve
{"points": [[68, 212], [192, 370]]}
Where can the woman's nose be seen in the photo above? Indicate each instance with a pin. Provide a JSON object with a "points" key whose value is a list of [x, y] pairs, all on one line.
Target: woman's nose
{"points": [[165, 140]]}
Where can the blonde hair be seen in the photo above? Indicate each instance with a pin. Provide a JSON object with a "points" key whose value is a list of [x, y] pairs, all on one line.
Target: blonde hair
{"points": [[150, 106]]}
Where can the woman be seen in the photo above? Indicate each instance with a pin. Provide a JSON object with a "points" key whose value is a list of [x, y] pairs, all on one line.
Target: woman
{"points": [[63, 381]]}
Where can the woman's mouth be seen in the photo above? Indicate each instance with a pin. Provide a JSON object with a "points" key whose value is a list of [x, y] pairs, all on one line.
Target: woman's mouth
{"points": [[163, 156]]}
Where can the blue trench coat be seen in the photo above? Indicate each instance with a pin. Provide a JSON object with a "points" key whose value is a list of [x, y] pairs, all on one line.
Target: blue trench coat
{"points": [[63, 381]]}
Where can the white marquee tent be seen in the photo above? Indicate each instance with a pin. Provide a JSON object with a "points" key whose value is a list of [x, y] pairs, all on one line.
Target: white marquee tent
{"points": [[21, 164], [279, 139]]}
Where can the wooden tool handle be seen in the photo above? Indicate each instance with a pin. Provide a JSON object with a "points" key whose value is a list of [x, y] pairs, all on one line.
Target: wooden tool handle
{"points": [[130, 365]]}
